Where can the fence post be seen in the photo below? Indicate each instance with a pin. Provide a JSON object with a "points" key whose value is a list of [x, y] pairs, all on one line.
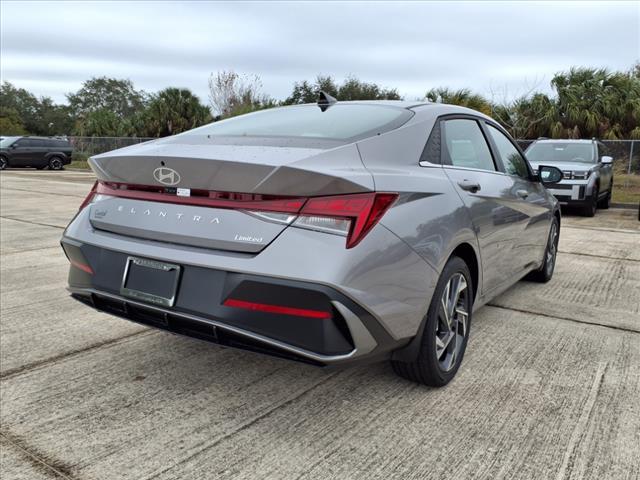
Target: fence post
{"points": [[630, 157]]}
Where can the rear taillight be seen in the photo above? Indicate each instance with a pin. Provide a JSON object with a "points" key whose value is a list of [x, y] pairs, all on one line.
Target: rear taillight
{"points": [[350, 215], [89, 198]]}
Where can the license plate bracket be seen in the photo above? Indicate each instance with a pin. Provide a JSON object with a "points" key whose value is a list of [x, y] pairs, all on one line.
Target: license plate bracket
{"points": [[150, 281]]}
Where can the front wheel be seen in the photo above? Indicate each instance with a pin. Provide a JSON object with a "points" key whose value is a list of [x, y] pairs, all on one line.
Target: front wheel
{"points": [[3, 163], [446, 330], [550, 253], [605, 203], [590, 209]]}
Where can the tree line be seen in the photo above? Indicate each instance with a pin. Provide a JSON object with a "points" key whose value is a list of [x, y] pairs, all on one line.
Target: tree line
{"points": [[585, 103]]}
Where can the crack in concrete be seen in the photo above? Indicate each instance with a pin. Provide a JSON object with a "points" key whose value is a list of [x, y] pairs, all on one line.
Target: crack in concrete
{"points": [[37, 459], [581, 425], [13, 372], [604, 229], [32, 223], [599, 256], [521, 310], [240, 429]]}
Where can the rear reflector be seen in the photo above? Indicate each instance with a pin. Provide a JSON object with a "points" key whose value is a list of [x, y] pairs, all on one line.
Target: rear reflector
{"points": [[82, 266], [278, 309]]}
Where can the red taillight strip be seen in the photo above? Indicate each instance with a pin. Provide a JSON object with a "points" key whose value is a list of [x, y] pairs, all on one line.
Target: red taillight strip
{"points": [[263, 307], [89, 196], [82, 266], [363, 209], [211, 199]]}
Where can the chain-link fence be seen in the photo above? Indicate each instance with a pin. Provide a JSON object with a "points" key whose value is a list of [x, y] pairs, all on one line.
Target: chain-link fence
{"points": [[87, 146], [625, 153]]}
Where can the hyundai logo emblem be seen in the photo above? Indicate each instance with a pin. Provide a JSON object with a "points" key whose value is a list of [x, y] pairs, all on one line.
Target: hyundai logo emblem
{"points": [[166, 176]]}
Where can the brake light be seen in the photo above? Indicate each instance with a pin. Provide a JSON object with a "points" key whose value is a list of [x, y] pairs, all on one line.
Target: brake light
{"points": [[90, 196], [278, 309], [351, 215]]}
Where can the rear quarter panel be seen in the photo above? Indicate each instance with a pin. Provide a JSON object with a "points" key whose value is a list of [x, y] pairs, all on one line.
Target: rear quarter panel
{"points": [[429, 215]]}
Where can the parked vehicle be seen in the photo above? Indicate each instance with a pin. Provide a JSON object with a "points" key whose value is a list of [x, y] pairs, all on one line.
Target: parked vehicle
{"points": [[330, 234], [37, 152], [588, 174]]}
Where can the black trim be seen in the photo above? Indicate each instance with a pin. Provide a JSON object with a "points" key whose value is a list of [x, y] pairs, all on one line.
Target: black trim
{"points": [[202, 293], [432, 151]]}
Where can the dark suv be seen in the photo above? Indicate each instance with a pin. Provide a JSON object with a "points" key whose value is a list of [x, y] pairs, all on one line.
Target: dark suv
{"points": [[38, 152], [588, 174]]}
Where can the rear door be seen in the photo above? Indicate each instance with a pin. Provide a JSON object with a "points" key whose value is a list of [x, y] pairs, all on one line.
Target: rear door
{"points": [[488, 193], [530, 195], [40, 150]]}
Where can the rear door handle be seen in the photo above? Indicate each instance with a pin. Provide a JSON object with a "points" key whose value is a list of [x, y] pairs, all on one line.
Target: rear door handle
{"points": [[522, 193], [469, 186]]}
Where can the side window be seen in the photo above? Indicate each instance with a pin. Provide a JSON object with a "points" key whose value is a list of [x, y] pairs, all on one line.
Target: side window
{"points": [[40, 143], [465, 145], [25, 142], [513, 162]]}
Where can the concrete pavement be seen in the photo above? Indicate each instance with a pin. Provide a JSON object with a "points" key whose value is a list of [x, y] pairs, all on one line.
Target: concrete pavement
{"points": [[549, 387]]}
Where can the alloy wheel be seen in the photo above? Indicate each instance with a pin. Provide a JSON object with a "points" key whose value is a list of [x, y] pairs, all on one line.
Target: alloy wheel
{"points": [[452, 324], [3, 163], [55, 164], [552, 248]]}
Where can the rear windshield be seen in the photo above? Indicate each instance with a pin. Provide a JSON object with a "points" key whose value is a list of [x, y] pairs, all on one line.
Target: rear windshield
{"points": [[560, 152], [339, 122]]}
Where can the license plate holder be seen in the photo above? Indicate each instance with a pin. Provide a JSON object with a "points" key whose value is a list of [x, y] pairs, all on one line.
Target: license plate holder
{"points": [[150, 281]]}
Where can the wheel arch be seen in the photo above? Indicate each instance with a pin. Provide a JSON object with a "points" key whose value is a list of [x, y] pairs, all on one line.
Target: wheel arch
{"points": [[468, 254]]}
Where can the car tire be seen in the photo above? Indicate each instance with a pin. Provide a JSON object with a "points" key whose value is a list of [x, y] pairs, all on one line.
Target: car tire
{"points": [[589, 210], [446, 330], [545, 273], [605, 203], [4, 163], [55, 163]]}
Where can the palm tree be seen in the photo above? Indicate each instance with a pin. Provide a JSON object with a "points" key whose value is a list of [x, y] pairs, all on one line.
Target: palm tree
{"points": [[174, 110], [463, 97]]}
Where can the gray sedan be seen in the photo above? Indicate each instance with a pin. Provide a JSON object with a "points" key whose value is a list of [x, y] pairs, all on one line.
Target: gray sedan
{"points": [[327, 233]]}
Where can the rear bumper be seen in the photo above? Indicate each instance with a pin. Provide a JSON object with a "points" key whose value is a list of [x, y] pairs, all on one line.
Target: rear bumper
{"points": [[351, 334]]}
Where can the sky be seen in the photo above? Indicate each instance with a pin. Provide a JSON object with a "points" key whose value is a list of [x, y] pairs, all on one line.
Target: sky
{"points": [[499, 49]]}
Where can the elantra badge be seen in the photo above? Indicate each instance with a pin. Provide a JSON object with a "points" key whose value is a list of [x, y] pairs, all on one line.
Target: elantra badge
{"points": [[166, 176]]}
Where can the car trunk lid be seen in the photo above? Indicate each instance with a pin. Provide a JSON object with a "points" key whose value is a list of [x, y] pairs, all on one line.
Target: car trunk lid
{"points": [[225, 196]]}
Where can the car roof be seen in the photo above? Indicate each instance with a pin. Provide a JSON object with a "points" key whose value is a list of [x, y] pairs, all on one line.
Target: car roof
{"points": [[392, 103], [561, 140]]}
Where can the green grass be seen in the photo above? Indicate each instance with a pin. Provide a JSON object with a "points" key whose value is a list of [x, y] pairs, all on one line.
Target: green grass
{"points": [[79, 164], [626, 188]]}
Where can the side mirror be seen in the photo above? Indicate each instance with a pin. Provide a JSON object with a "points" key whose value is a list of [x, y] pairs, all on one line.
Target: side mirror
{"points": [[607, 160], [13, 145], [549, 175]]}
